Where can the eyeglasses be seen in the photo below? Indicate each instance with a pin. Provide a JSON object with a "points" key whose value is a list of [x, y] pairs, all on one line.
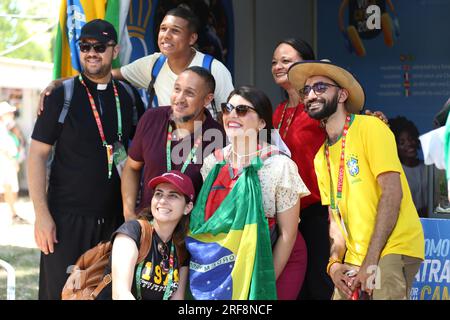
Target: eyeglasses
{"points": [[318, 88], [98, 46], [241, 110]]}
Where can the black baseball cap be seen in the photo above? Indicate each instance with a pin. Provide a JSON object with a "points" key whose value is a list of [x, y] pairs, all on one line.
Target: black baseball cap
{"points": [[100, 30]]}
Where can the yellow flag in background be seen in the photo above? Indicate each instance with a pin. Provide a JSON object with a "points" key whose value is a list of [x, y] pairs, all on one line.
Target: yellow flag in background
{"points": [[73, 15]]}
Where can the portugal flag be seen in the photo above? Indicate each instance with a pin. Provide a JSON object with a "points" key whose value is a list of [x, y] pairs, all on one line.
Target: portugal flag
{"points": [[231, 254]]}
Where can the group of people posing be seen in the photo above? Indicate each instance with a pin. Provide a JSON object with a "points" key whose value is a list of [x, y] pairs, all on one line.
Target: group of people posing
{"points": [[243, 203]]}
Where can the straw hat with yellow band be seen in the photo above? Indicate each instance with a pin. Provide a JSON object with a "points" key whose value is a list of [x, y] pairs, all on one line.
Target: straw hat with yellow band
{"points": [[300, 72]]}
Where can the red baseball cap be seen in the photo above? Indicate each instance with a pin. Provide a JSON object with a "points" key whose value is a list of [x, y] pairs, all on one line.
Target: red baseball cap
{"points": [[179, 180]]}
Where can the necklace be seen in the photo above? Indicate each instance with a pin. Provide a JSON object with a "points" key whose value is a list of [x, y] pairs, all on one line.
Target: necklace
{"points": [[240, 165], [192, 53], [259, 150], [239, 156], [288, 121]]}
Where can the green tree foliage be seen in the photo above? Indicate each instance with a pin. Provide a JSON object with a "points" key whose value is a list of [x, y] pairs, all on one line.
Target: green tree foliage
{"points": [[15, 30]]}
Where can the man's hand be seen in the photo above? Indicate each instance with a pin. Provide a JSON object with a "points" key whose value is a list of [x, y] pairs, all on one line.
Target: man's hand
{"points": [[378, 114], [365, 277], [130, 216], [131, 176], [46, 92], [45, 232], [341, 281]]}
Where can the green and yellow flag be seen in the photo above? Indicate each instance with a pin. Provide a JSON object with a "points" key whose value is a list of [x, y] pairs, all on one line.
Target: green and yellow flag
{"points": [[231, 254], [73, 14]]}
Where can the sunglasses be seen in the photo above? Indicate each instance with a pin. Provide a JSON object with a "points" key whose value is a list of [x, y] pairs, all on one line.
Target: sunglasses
{"points": [[98, 46], [241, 110], [164, 251], [318, 88]]}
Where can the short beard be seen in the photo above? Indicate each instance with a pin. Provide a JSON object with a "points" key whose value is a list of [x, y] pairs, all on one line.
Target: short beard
{"points": [[329, 108], [185, 118], [100, 73], [189, 117]]}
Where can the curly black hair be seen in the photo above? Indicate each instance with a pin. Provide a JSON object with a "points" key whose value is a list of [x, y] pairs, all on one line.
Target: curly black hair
{"points": [[400, 124]]}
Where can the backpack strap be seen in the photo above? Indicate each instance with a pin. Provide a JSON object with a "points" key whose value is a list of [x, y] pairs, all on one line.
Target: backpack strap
{"points": [[207, 62], [144, 248], [68, 93], [107, 279], [146, 239], [153, 99], [129, 91], [133, 98], [182, 253]]}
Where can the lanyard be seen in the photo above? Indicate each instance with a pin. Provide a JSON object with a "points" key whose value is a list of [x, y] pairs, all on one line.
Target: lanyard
{"points": [[288, 121], [168, 291], [109, 147], [190, 155], [138, 275], [341, 165]]}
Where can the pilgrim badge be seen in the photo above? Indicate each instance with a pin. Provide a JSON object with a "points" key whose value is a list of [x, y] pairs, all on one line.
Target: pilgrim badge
{"points": [[119, 156]]}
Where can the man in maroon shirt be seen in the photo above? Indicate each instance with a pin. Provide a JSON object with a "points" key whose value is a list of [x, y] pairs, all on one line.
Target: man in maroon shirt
{"points": [[173, 137]]}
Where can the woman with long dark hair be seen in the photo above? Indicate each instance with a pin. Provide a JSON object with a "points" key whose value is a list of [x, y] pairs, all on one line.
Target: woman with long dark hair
{"points": [[304, 136], [243, 240], [163, 273]]}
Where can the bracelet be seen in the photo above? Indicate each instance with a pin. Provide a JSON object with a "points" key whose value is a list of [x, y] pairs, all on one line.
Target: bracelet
{"points": [[332, 261]]}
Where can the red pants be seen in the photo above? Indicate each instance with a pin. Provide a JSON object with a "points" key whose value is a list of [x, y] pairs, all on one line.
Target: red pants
{"points": [[291, 279]]}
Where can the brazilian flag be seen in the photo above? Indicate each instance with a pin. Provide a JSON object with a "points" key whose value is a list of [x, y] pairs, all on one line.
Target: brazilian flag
{"points": [[231, 254]]}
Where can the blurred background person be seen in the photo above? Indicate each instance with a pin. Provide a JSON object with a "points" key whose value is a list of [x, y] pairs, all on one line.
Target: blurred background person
{"points": [[9, 156], [407, 138], [208, 40]]}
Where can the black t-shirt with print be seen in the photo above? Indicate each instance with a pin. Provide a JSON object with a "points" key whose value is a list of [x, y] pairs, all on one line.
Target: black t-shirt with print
{"points": [[79, 182], [153, 279]]}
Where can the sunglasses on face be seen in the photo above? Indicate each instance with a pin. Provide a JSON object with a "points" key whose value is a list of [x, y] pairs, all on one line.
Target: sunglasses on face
{"points": [[241, 110], [318, 88], [163, 250], [98, 46]]}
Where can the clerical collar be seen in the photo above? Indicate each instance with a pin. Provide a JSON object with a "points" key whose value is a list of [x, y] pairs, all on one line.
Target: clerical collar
{"points": [[94, 85], [102, 86]]}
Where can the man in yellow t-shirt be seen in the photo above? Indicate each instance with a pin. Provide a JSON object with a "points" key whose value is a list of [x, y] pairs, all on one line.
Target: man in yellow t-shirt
{"points": [[374, 227]]}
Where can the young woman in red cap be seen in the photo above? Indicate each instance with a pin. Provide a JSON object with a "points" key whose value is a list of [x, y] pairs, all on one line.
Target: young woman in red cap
{"points": [[163, 272]]}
